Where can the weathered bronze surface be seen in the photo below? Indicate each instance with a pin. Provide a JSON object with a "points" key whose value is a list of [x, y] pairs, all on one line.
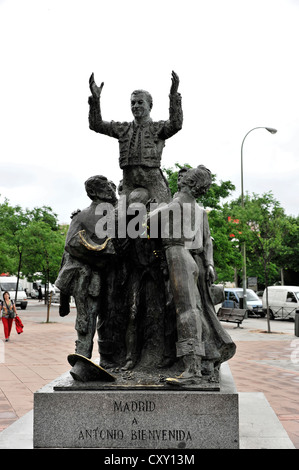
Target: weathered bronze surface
{"points": [[149, 297]]}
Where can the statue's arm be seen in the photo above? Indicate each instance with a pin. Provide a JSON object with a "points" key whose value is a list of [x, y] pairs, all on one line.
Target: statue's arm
{"points": [[96, 122], [208, 250], [175, 121], [95, 116]]}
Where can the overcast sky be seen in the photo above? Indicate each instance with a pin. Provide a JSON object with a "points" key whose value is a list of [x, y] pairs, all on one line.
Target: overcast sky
{"points": [[238, 64]]}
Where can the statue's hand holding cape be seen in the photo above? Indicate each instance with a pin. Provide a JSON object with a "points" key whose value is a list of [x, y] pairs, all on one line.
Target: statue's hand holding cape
{"points": [[82, 247]]}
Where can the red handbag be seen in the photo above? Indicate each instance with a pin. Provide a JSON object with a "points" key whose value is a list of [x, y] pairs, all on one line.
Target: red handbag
{"points": [[19, 325]]}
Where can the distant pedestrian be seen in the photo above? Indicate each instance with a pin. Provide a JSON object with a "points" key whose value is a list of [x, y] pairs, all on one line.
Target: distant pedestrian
{"points": [[40, 294], [9, 312]]}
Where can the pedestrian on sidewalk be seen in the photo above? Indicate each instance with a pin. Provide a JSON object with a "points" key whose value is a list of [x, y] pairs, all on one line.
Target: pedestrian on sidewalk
{"points": [[40, 295], [9, 312]]}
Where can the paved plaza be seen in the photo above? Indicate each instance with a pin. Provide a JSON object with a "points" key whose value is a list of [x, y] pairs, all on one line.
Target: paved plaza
{"points": [[265, 363]]}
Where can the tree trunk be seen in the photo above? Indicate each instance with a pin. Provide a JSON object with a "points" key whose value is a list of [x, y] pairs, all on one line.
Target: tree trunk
{"points": [[282, 276], [47, 294], [18, 277], [236, 277], [267, 303]]}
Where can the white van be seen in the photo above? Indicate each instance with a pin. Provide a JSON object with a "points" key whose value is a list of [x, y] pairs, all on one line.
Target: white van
{"points": [[283, 301], [234, 297], [9, 283]]}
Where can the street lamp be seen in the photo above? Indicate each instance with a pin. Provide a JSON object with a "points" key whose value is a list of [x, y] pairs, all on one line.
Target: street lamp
{"points": [[272, 131]]}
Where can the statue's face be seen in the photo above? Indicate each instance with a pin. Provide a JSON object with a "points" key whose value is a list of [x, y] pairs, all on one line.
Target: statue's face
{"points": [[140, 106], [194, 185], [108, 192], [103, 190], [180, 177]]}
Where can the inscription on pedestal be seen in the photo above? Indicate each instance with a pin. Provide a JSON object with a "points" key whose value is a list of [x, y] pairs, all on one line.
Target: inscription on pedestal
{"points": [[136, 419], [133, 429], [136, 433]]}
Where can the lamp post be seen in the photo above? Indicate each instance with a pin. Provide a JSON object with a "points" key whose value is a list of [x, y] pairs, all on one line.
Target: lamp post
{"points": [[272, 131]]}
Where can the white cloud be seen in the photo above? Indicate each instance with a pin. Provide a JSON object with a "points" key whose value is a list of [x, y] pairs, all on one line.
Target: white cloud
{"points": [[237, 62]]}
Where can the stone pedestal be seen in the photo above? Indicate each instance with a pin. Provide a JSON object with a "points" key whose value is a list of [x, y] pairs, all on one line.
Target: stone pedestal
{"points": [[75, 415]]}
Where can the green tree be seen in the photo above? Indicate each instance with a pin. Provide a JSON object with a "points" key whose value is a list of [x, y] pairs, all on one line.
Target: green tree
{"points": [[226, 256], [8, 261], [263, 226], [13, 221], [44, 214], [44, 252], [214, 195], [288, 256], [22, 232]]}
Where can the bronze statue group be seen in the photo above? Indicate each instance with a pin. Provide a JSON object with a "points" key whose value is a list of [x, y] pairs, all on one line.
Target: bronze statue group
{"points": [[148, 296]]}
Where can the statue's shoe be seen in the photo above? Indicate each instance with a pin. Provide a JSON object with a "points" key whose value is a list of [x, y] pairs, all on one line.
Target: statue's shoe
{"points": [[129, 365], [181, 381]]}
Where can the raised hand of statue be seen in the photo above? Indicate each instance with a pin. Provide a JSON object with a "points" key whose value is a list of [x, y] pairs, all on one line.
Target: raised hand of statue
{"points": [[95, 90], [175, 83]]}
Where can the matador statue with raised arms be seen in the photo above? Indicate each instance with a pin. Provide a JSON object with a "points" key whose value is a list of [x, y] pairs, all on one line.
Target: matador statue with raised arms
{"points": [[141, 141]]}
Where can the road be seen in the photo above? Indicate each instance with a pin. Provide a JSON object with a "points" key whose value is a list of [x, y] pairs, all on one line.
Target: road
{"points": [[264, 362]]}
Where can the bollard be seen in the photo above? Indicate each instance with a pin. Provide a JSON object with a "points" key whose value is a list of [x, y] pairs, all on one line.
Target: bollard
{"points": [[297, 323]]}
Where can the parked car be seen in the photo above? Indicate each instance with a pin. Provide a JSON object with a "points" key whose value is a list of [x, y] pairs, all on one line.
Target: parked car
{"points": [[9, 283], [259, 293], [35, 287], [234, 299], [283, 301], [34, 294], [55, 298]]}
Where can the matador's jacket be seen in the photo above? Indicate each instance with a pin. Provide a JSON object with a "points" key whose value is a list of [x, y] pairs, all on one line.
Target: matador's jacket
{"points": [[139, 145]]}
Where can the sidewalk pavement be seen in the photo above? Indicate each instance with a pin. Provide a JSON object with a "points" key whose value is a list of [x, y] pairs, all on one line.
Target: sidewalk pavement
{"points": [[265, 363], [269, 363]]}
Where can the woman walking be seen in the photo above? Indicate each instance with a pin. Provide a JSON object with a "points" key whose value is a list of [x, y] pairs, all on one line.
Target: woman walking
{"points": [[8, 310]]}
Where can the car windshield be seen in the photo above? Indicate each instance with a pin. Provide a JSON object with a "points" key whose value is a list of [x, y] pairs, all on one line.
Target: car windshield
{"points": [[251, 295], [297, 295], [10, 286]]}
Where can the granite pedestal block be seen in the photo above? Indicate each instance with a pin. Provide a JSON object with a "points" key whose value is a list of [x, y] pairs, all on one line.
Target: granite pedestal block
{"points": [[77, 416]]}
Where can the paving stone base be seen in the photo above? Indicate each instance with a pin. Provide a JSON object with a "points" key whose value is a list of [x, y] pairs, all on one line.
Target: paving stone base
{"points": [[139, 419]]}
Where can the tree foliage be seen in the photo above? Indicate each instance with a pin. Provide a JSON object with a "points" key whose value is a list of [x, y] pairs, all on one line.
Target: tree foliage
{"points": [[226, 256], [266, 230], [212, 198], [30, 241], [271, 237]]}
